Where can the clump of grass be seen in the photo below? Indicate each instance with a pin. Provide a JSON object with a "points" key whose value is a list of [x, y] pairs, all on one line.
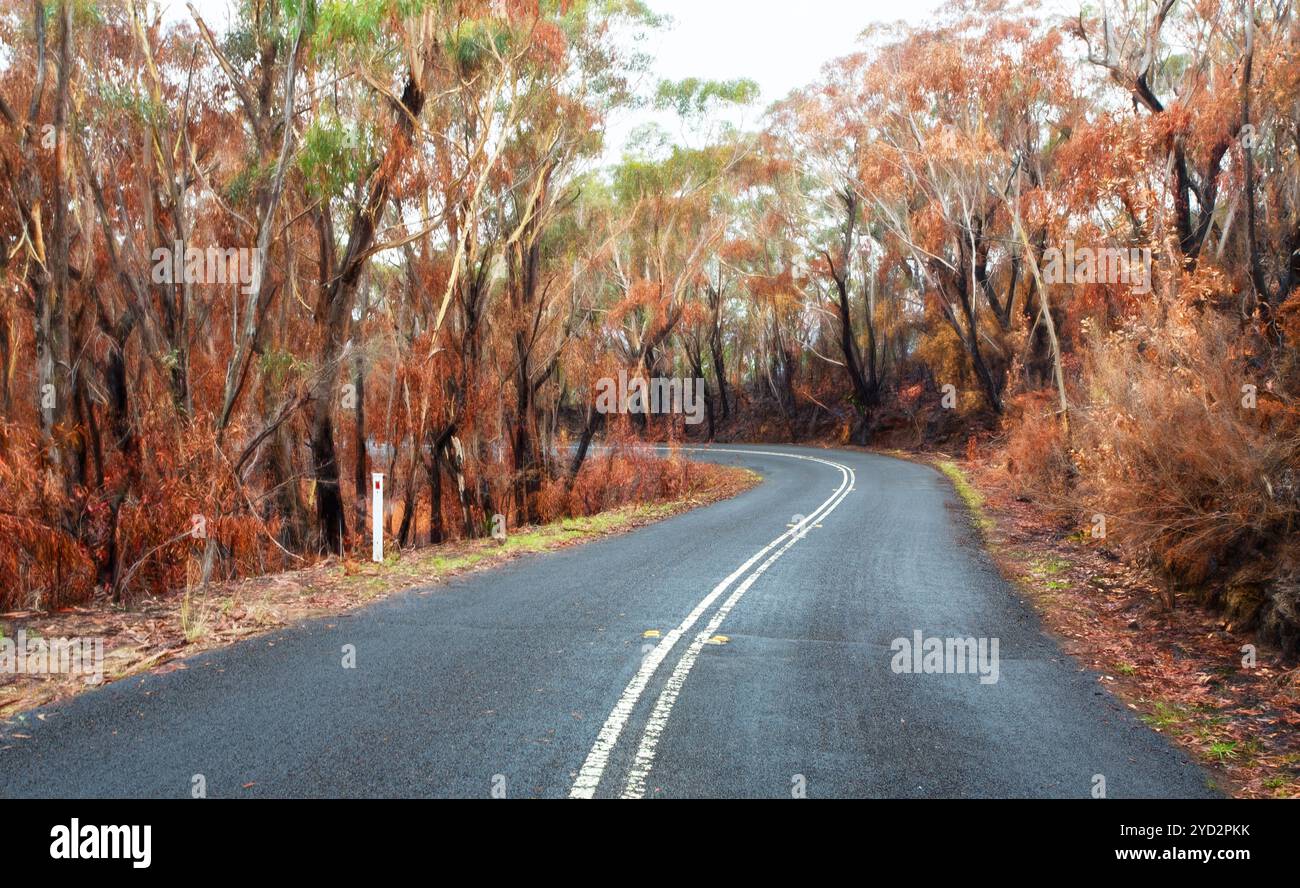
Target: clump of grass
{"points": [[1224, 750], [1050, 566], [1166, 716], [194, 612]]}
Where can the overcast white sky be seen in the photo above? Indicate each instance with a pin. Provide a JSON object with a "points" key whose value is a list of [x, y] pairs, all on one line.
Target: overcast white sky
{"points": [[778, 43]]}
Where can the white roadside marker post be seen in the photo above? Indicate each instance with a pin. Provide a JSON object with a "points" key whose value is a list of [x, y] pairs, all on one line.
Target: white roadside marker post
{"points": [[377, 519]]}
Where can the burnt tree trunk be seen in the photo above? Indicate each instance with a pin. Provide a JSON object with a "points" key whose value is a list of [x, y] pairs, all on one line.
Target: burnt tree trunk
{"points": [[335, 305]]}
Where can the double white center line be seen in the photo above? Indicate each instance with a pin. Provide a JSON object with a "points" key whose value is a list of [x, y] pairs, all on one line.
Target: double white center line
{"points": [[593, 769]]}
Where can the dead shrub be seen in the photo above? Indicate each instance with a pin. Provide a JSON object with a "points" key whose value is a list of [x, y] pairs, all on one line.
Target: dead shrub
{"points": [[1193, 480], [1038, 458]]}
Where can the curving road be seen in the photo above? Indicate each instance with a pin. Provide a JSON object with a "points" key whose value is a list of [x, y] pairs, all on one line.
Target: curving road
{"points": [[770, 669]]}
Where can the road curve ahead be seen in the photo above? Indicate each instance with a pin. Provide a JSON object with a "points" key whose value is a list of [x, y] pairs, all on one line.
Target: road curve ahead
{"points": [[751, 648]]}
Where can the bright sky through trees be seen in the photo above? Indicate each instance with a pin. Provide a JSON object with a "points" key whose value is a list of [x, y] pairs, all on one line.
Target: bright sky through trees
{"points": [[778, 45]]}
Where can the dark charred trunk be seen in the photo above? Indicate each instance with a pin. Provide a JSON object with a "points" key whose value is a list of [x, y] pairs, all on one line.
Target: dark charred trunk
{"points": [[720, 371], [408, 500], [335, 308], [970, 337], [359, 476], [589, 428], [330, 521]]}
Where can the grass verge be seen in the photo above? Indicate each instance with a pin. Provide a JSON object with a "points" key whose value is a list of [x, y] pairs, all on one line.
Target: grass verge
{"points": [[973, 499]]}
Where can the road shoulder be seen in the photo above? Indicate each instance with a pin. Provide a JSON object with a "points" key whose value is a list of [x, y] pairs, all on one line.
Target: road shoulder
{"points": [[1185, 672]]}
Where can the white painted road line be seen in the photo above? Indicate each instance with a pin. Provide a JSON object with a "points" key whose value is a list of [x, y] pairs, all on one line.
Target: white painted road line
{"points": [[593, 768], [645, 753]]}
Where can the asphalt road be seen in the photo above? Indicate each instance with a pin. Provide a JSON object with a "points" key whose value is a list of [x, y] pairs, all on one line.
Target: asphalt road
{"points": [[774, 673]]}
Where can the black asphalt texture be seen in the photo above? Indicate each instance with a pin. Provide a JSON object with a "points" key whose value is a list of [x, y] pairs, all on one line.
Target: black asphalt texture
{"points": [[501, 680]]}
